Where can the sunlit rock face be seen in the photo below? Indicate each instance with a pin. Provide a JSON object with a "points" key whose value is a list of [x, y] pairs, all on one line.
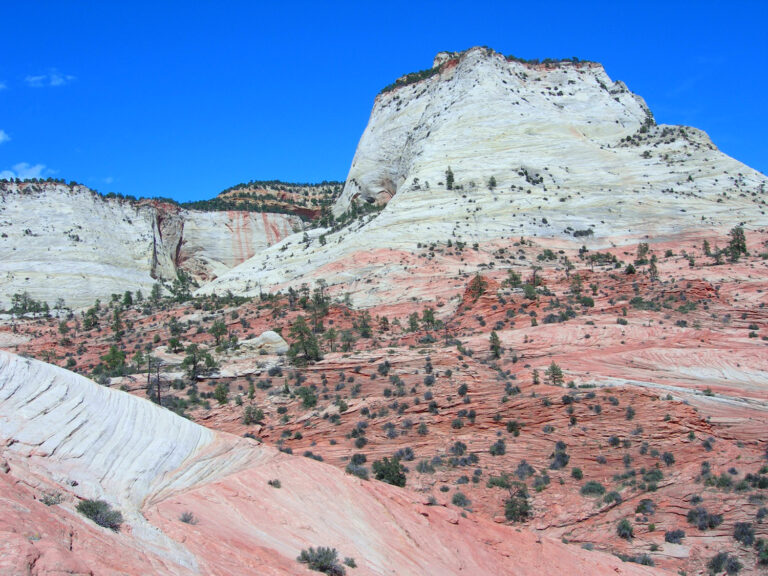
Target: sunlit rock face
{"points": [[482, 148], [63, 434], [60, 241]]}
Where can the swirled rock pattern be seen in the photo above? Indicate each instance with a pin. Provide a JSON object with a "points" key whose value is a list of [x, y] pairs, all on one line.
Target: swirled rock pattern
{"points": [[64, 433]]}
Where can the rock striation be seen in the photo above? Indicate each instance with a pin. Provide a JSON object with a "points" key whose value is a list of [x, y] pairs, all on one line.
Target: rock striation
{"points": [[482, 148], [62, 432], [59, 241]]}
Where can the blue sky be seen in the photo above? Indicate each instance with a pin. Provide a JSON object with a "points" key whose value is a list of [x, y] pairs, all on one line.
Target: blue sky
{"points": [[183, 99]]}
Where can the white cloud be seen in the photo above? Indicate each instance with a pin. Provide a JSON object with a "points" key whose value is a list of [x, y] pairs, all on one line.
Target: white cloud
{"points": [[60, 79], [53, 78], [4, 136], [24, 170], [35, 81]]}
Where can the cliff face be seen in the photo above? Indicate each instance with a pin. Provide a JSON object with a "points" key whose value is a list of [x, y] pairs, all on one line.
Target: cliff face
{"points": [[58, 241], [553, 137], [484, 149], [214, 242]]}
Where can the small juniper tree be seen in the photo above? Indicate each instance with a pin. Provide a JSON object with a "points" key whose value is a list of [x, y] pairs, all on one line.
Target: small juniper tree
{"points": [[389, 471], [624, 529], [449, 179], [555, 374], [304, 347], [495, 345], [738, 244]]}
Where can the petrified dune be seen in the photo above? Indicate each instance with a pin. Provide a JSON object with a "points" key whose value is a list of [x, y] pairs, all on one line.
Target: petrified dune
{"points": [[64, 433]]}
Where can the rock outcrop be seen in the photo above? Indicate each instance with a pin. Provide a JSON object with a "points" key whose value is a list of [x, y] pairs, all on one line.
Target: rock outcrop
{"points": [[62, 432], [483, 148], [59, 241]]}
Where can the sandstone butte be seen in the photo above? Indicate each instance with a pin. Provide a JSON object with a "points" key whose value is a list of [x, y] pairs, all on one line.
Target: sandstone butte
{"points": [[559, 181]]}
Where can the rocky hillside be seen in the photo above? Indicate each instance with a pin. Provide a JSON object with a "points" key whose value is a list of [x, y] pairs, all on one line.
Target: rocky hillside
{"points": [[249, 509], [309, 201], [60, 241], [481, 148]]}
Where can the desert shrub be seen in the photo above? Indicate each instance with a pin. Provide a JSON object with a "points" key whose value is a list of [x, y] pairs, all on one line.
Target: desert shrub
{"points": [[389, 471], [624, 529], [559, 457], [101, 513], [513, 427], [592, 488], [762, 552], [577, 473], [517, 507], [253, 415], [652, 476], [308, 397], [744, 532], [724, 562], [498, 481], [460, 499], [357, 470], [188, 518], [498, 448], [612, 497], [425, 467], [524, 470], [674, 536], [645, 506], [540, 482], [323, 560], [702, 519], [358, 458], [51, 498], [406, 454], [643, 559]]}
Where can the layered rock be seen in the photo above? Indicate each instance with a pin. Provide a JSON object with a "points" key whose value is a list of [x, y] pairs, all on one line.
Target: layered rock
{"points": [[59, 241], [214, 242], [63, 432], [558, 151]]}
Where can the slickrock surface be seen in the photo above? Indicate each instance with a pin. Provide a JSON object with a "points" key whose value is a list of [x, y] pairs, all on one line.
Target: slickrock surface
{"points": [[664, 395], [64, 432], [58, 241]]}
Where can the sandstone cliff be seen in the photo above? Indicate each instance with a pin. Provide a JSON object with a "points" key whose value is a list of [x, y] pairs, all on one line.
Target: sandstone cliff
{"points": [[59, 241]]}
